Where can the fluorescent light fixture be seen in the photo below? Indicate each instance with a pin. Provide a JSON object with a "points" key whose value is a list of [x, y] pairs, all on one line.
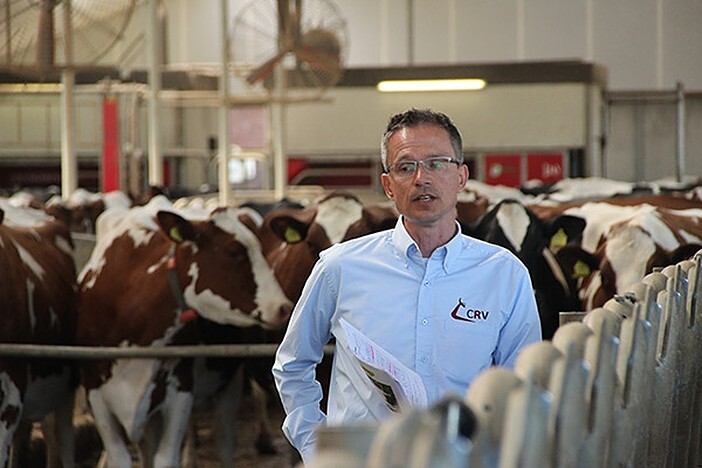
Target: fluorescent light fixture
{"points": [[431, 85]]}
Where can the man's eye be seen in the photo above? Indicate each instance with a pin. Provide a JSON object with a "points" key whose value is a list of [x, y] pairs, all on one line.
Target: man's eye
{"points": [[437, 164], [405, 167]]}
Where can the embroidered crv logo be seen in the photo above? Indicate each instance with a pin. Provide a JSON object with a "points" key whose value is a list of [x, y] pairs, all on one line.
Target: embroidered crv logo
{"points": [[461, 312]]}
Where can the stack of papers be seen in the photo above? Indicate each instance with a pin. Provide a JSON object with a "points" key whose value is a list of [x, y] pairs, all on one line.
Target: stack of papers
{"points": [[400, 386]]}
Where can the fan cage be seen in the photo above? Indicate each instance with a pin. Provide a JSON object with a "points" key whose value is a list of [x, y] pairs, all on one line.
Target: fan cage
{"points": [[254, 40], [96, 27]]}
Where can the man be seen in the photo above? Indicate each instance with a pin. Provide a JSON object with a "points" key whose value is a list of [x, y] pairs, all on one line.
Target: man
{"points": [[444, 304]]}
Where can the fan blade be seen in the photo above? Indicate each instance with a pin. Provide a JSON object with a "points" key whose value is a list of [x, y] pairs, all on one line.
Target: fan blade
{"points": [[264, 70], [318, 58]]}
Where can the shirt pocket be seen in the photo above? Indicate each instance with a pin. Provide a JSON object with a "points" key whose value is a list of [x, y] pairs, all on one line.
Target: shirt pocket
{"points": [[466, 349]]}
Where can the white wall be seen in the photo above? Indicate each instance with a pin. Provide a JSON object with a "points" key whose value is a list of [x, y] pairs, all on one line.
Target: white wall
{"points": [[645, 44], [507, 116]]}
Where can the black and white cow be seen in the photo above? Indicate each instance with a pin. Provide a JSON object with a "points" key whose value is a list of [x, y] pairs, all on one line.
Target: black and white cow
{"points": [[512, 225]]}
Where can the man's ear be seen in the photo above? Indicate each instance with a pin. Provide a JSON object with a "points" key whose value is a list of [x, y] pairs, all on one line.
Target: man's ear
{"points": [[463, 175], [385, 181]]}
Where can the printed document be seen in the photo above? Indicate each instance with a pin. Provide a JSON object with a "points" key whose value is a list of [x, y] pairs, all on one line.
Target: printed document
{"points": [[400, 386]]}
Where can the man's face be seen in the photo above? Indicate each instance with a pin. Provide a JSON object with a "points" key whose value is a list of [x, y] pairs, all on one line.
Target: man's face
{"points": [[424, 197]]}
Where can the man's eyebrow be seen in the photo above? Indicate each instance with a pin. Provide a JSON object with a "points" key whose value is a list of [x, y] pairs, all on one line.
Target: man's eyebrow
{"points": [[408, 157]]}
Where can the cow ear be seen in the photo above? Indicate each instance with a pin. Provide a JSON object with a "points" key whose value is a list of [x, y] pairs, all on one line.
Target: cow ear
{"points": [[379, 218], [177, 228], [250, 218], [563, 230], [576, 262], [289, 229]]}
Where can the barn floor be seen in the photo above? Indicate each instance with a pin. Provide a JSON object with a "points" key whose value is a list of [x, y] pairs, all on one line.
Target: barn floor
{"points": [[89, 446], [246, 453]]}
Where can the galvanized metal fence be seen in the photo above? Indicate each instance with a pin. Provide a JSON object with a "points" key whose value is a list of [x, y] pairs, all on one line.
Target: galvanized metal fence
{"points": [[620, 388]]}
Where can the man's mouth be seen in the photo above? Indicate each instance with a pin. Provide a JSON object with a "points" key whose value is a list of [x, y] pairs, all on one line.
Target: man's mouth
{"points": [[424, 197]]}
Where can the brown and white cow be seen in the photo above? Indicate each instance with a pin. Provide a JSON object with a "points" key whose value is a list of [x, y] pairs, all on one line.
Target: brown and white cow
{"points": [[158, 277], [292, 238], [37, 306], [82, 208], [622, 244]]}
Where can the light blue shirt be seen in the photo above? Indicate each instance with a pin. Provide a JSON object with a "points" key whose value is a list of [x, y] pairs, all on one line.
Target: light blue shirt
{"points": [[466, 308]]}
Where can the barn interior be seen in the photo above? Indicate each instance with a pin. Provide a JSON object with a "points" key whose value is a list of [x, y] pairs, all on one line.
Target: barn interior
{"points": [[560, 100], [233, 101]]}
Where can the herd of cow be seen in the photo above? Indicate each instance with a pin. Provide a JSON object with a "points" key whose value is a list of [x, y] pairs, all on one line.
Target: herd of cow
{"points": [[166, 273]]}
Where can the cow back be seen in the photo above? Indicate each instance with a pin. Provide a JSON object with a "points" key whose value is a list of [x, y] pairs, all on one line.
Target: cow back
{"points": [[38, 287]]}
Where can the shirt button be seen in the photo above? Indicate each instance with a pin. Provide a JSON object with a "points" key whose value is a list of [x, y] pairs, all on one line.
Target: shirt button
{"points": [[425, 321], [426, 283], [424, 359]]}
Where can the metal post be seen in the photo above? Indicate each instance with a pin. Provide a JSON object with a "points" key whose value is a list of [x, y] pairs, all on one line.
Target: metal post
{"points": [[680, 141], [8, 33], [69, 164], [410, 32], [135, 154], [223, 168], [155, 156], [280, 162], [593, 125]]}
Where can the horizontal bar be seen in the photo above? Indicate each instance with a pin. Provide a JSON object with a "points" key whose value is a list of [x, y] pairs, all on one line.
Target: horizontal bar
{"points": [[141, 352]]}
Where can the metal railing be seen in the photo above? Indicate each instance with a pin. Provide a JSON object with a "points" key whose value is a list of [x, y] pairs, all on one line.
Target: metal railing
{"points": [[620, 387], [141, 352]]}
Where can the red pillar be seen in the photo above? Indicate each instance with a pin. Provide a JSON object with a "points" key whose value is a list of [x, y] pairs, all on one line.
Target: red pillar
{"points": [[110, 144]]}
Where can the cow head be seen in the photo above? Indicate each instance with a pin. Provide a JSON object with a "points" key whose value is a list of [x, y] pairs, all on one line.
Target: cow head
{"points": [[292, 239], [512, 225], [623, 257], [226, 278]]}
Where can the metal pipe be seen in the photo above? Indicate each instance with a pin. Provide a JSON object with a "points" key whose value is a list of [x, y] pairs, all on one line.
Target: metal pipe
{"points": [[8, 34], [154, 48], [280, 161], [605, 129], [410, 32], [223, 156], [69, 162], [641, 96], [140, 352], [680, 141], [596, 158], [639, 143]]}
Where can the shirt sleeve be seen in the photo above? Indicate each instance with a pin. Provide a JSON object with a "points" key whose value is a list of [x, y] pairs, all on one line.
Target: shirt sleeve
{"points": [[297, 357], [522, 326]]}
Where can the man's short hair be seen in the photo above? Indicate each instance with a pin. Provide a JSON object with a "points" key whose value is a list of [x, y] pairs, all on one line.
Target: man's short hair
{"points": [[415, 117]]}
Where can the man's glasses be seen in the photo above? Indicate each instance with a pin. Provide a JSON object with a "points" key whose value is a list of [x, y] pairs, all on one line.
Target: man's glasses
{"points": [[407, 168]]}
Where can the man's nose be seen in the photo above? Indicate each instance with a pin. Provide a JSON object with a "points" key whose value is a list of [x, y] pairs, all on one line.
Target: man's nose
{"points": [[422, 173]]}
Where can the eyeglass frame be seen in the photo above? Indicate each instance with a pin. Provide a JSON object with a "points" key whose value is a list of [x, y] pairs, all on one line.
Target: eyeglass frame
{"points": [[421, 162]]}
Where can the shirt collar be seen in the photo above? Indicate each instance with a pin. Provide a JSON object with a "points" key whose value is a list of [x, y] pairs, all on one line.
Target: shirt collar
{"points": [[403, 242]]}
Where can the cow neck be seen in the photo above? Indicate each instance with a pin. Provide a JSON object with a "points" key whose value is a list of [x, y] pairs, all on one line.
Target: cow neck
{"points": [[187, 314]]}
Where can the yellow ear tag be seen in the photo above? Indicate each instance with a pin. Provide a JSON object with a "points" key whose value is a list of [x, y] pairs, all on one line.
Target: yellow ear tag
{"points": [[175, 234], [558, 240], [580, 269], [292, 236]]}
